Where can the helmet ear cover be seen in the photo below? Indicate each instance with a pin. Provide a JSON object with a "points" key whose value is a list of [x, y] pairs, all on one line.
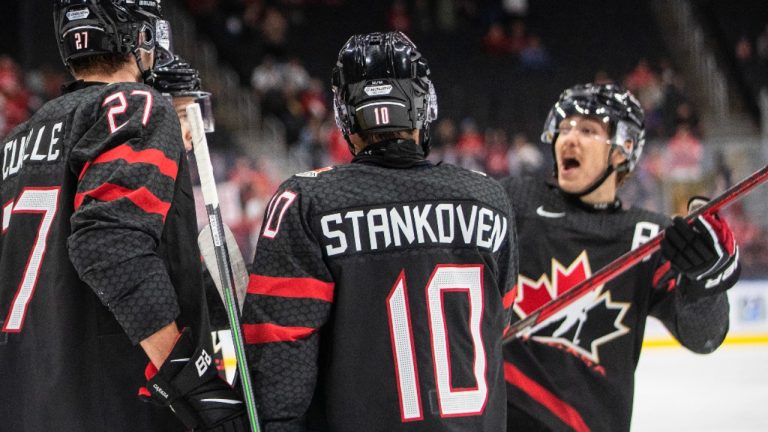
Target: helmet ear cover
{"points": [[178, 79]]}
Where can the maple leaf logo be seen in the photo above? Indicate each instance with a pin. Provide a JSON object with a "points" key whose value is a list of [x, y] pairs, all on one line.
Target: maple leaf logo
{"points": [[572, 327]]}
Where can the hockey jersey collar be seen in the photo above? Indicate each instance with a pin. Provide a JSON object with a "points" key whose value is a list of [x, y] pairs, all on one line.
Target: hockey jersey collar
{"points": [[393, 154], [575, 200]]}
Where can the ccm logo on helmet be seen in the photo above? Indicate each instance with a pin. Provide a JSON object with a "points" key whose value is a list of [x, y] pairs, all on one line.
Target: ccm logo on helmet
{"points": [[378, 90]]}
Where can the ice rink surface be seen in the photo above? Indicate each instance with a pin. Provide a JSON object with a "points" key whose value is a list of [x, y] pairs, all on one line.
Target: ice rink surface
{"points": [[726, 391]]}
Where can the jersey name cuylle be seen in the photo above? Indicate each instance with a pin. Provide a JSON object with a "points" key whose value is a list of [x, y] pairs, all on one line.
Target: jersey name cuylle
{"points": [[42, 143], [402, 225]]}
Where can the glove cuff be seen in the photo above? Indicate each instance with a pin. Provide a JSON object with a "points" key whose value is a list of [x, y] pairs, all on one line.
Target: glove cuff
{"points": [[182, 371], [724, 278]]}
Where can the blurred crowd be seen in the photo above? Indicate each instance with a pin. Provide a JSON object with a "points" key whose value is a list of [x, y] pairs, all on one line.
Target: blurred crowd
{"points": [[253, 34], [751, 53]]}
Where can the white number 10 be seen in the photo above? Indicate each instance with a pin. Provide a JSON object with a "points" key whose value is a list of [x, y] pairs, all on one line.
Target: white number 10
{"points": [[382, 115], [452, 401]]}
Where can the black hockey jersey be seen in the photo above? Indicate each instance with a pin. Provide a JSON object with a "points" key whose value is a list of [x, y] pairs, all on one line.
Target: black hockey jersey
{"points": [[576, 370], [383, 293], [97, 252]]}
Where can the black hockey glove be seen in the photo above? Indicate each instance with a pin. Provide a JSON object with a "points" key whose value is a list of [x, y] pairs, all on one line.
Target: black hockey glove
{"points": [[704, 251], [189, 384]]}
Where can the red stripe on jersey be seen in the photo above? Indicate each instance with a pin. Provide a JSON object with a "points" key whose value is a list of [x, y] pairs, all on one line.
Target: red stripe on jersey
{"points": [[266, 333], [291, 287], [142, 197], [155, 157], [671, 284], [660, 272], [82, 172], [565, 412], [509, 298]]}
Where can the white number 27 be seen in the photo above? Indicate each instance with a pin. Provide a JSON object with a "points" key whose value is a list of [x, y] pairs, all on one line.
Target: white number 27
{"points": [[33, 200]]}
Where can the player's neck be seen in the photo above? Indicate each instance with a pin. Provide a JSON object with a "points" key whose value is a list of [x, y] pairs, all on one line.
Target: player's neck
{"points": [[605, 194], [126, 74]]}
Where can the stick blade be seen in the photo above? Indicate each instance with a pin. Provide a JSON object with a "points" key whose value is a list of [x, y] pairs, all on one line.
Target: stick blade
{"points": [[239, 268]]}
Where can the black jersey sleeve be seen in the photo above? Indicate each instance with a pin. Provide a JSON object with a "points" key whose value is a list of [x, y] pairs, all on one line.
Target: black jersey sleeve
{"points": [[509, 265], [126, 161], [699, 324], [289, 298]]}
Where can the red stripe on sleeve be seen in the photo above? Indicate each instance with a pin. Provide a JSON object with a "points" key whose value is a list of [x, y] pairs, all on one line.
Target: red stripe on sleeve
{"points": [[266, 333], [671, 284], [142, 197], [558, 407], [82, 172], [660, 272], [509, 298], [291, 287], [167, 167]]}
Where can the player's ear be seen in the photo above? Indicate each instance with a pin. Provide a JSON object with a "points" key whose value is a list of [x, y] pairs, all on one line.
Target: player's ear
{"points": [[619, 157], [628, 146]]}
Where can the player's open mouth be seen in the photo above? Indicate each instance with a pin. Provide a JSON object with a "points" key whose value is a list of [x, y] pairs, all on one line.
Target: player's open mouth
{"points": [[570, 163]]}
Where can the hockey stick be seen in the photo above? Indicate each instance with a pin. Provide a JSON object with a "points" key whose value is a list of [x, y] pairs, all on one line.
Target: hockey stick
{"points": [[211, 199], [628, 260], [223, 346], [239, 270]]}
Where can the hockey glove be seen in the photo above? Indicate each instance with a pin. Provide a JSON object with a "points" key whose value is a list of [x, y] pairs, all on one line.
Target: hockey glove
{"points": [[704, 251], [189, 384]]}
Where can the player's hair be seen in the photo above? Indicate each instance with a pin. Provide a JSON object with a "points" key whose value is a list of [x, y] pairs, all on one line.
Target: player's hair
{"points": [[375, 137], [102, 64]]}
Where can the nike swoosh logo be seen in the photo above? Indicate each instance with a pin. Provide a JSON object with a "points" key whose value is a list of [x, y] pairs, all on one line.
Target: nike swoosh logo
{"points": [[541, 212]]}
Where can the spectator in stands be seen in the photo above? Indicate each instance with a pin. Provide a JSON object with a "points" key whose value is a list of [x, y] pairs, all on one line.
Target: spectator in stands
{"points": [[515, 8], [14, 97], [761, 46], [639, 77], [525, 159], [534, 55], [470, 146], [495, 42], [274, 29], [602, 77], [743, 50], [398, 18], [497, 153], [684, 167], [444, 139]]}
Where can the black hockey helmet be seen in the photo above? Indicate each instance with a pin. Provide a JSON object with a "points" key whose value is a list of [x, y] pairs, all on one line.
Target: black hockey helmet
{"points": [[178, 79], [93, 27], [611, 104], [381, 84]]}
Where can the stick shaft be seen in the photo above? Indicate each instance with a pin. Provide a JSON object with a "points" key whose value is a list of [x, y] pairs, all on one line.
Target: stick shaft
{"points": [[211, 199], [630, 259]]}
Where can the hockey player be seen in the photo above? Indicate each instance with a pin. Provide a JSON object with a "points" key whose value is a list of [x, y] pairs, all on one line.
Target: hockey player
{"points": [[181, 82], [380, 289], [576, 371], [100, 270]]}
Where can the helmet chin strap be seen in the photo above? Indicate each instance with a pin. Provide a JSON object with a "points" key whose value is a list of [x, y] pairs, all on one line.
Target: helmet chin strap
{"points": [[599, 182], [351, 146], [145, 73]]}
